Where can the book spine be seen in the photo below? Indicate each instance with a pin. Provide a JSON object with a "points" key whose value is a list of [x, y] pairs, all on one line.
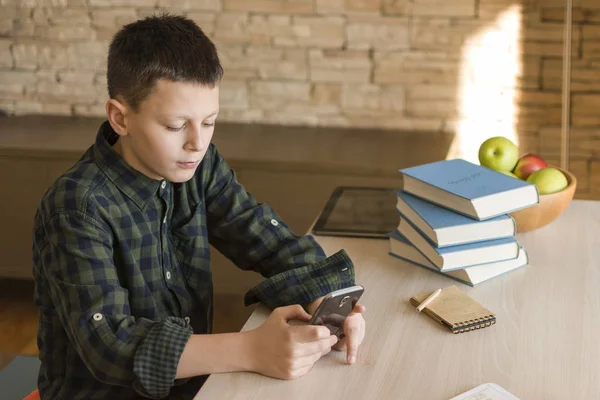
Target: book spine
{"points": [[425, 236], [435, 201], [416, 215]]}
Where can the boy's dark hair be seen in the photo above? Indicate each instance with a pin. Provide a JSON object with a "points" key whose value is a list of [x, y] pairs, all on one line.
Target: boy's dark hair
{"points": [[159, 47]]}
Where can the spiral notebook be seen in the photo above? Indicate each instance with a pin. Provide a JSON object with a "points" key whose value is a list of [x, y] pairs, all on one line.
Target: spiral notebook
{"points": [[456, 310]]}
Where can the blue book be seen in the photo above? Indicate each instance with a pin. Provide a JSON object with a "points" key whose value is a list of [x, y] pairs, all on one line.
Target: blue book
{"points": [[462, 255], [469, 189], [443, 227], [401, 248]]}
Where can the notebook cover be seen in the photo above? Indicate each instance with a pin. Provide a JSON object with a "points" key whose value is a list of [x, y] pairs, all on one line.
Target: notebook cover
{"points": [[464, 179], [456, 310]]}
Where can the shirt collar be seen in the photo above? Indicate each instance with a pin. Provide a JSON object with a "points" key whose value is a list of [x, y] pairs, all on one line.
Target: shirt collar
{"points": [[135, 185]]}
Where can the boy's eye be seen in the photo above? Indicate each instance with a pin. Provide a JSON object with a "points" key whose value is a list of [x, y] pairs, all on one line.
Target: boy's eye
{"points": [[208, 124], [173, 129]]}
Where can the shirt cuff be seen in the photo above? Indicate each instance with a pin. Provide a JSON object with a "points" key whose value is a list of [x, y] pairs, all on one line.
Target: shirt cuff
{"points": [[156, 359], [305, 284]]}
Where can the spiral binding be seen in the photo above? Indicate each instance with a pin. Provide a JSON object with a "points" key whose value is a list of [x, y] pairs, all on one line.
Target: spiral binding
{"points": [[474, 324]]}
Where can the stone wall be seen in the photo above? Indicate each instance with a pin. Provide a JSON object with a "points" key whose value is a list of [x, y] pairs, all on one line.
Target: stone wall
{"points": [[398, 64]]}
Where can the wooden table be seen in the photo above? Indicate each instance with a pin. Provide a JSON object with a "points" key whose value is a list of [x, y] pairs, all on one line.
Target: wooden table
{"points": [[545, 344]]}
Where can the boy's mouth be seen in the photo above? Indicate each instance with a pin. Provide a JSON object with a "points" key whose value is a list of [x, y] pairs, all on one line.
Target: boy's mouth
{"points": [[187, 164]]}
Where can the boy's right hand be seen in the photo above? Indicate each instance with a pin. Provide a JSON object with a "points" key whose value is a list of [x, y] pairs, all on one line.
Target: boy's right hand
{"points": [[283, 351]]}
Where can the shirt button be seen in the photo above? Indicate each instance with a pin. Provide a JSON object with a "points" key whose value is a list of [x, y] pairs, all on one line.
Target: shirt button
{"points": [[97, 317], [187, 319], [163, 184], [274, 222], [168, 275]]}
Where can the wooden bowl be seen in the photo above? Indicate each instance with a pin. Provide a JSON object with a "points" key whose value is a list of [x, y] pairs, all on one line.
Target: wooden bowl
{"points": [[548, 209]]}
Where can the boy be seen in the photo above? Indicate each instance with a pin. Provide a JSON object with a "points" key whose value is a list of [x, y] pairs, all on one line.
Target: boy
{"points": [[121, 242]]}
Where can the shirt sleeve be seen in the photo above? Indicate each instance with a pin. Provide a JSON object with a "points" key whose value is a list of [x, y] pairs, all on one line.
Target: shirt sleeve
{"points": [[253, 236], [75, 255]]}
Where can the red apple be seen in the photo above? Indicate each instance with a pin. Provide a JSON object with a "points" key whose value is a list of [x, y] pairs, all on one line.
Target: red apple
{"points": [[528, 164]]}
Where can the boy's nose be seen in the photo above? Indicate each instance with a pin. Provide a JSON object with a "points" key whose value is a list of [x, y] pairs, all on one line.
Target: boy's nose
{"points": [[196, 140]]}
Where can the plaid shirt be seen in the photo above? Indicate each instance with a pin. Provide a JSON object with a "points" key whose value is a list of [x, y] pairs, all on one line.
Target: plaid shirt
{"points": [[123, 278]]}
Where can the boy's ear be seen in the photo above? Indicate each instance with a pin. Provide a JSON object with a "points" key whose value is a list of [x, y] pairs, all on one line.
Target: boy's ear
{"points": [[115, 110]]}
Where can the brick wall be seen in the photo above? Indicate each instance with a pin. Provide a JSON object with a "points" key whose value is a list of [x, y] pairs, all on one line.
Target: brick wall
{"points": [[398, 64]]}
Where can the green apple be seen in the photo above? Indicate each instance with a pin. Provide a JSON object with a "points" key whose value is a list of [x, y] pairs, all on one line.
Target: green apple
{"points": [[498, 153], [509, 174], [548, 180]]}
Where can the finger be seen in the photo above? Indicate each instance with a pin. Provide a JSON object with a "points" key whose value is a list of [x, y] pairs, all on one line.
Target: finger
{"points": [[307, 361], [300, 366], [326, 351], [309, 349], [352, 341], [318, 347], [293, 312], [340, 345], [310, 333], [359, 308]]}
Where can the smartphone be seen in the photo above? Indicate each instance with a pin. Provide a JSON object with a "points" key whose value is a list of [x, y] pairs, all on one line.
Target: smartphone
{"points": [[335, 307]]}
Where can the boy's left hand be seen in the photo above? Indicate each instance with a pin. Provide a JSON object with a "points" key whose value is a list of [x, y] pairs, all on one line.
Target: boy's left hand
{"points": [[353, 333]]}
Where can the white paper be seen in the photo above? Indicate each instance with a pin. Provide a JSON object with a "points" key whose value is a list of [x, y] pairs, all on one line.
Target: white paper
{"points": [[486, 391]]}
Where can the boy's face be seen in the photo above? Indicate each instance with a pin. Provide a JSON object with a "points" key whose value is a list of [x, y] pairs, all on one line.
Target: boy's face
{"points": [[169, 135]]}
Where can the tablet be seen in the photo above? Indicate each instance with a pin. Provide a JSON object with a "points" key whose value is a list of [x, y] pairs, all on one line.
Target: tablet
{"points": [[359, 212]]}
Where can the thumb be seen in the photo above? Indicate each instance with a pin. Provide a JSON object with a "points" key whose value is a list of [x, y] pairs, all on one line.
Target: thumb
{"points": [[295, 311]]}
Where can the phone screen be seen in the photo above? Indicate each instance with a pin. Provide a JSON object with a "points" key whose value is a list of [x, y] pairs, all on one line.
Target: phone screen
{"points": [[333, 311]]}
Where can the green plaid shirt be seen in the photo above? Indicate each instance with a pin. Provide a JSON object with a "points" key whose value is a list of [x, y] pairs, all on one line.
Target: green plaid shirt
{"points": [[123, 278]]}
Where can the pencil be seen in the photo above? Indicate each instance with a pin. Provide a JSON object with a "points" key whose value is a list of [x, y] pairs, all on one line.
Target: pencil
{"points": [[428, 300]]}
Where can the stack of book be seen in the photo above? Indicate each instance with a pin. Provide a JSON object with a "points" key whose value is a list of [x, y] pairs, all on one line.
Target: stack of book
{"points": [[454, 220]]}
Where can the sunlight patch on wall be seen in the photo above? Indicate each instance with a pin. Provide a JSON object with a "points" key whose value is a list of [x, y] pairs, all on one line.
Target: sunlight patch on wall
{"points": [[487, 93]]}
